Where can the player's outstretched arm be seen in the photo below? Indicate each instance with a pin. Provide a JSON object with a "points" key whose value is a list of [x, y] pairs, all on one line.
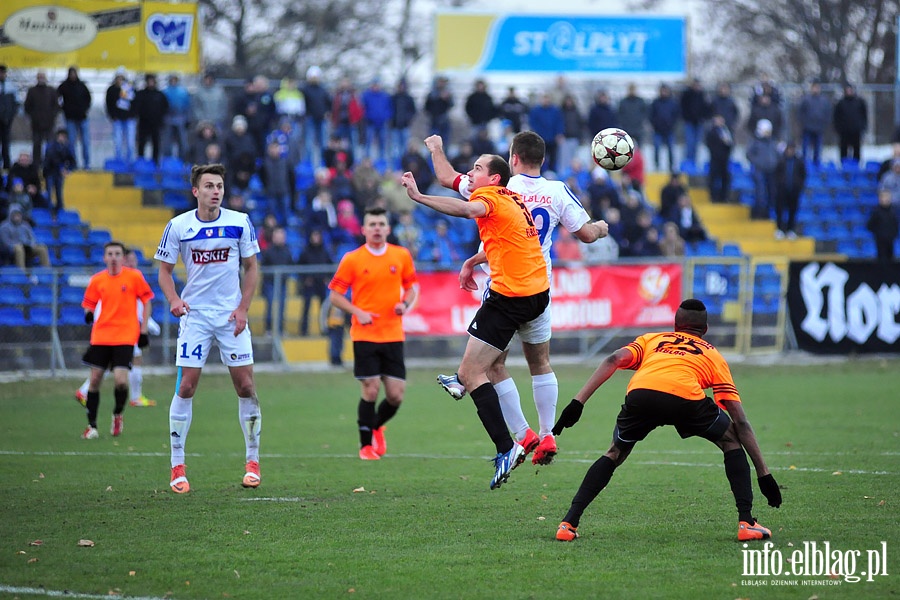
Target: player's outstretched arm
{"points": [[747, 438], [609, 365], [591, 232], [443, 170], [177, 306], [448, 206]]}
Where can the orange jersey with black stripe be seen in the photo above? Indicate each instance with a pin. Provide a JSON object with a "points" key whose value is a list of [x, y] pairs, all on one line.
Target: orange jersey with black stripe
{"points": [[511, 243], [117, 324], [376, 283], [680, 364]]}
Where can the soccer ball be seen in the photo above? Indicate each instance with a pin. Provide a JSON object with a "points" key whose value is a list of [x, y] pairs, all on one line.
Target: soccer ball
{"points": [[612, 149]]}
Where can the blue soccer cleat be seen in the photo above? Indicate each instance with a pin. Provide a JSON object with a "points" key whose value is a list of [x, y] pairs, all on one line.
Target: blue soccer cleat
{"points": [[506, 462], [452, 386]]}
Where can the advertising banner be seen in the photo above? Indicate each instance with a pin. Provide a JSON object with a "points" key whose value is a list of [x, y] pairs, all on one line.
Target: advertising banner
{"points": [[100, 34], [846, 307], [582, 298], [589, 45]]}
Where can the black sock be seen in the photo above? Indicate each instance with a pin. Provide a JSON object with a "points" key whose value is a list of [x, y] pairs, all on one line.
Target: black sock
{"points": [[366, 420], [596, 478], [737, 469], [386, 412], [121, 396], [488, 404], [92, 404]]}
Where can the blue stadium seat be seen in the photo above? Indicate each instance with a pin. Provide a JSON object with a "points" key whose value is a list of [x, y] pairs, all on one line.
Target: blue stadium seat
{"points": [[73, 256], [42, 217], [12, 275], [731, 250], [40, 294], [71, 237], [95, 255], [98, 237], [12, 295], [147, 181], [172, 165], [143, 166], [71, 295], [45, 235], [68, 218], [41, 316], [116, 166], [11, 317], [71, 315]]}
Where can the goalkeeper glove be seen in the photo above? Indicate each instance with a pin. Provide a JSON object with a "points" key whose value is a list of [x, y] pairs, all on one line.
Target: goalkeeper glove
{"points": [[569, 416], [143, 341], [89, 317], [770, 490]]}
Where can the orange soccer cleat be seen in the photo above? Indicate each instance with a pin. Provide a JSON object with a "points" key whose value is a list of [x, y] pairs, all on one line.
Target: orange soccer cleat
{"points": [[179, 482], [251, 475], [747, 532]]}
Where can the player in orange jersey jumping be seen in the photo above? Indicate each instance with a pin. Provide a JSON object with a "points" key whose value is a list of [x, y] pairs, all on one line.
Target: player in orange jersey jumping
{"points": [[115, 332], [519, 290], [672, 370], [382, 280]]}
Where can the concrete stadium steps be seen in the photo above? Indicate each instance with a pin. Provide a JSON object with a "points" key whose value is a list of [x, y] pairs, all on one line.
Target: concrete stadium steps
{"points": [[311, 349], [292, 313], [118, 209]]}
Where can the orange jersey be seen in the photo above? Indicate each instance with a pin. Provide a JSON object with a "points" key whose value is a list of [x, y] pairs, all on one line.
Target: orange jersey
{"points": [[680, 364], [117, 324], [511, 243], [376, 283]]}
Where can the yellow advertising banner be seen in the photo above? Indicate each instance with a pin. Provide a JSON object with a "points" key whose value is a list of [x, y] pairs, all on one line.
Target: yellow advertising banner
{"points": [[100, 34]]}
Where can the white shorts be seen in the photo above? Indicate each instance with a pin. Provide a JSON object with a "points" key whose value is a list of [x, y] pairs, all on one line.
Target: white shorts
{"points": [[196, 331], [537, 331]]}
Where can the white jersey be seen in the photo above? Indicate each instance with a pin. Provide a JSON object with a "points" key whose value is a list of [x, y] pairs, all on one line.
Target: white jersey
{"points": [[212, 253], [550, 203]]}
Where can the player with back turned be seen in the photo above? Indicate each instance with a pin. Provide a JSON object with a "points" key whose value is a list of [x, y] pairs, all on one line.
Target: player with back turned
{"points": [[672, 370], [213, 243]]}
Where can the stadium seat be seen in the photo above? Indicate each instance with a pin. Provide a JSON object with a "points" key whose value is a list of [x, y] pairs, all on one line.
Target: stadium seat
{"points": [[731, 250], [147, 181], [12, 295], [42, 217], [98, 237], [71, 236], [143, 166], [73, 256], [68, 218], [12, 275], [40, 294], [45, 235], [96, 254], [116, 166], [71, 315], [71, 295], [41, 316], [11, 317]]}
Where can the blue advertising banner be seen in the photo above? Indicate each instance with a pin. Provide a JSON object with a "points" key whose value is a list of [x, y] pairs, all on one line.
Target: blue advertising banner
{"points": [[590, 45]]}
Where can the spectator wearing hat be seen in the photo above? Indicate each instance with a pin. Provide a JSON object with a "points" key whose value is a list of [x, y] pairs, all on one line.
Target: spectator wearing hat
{"points": [[25, 170], [850, 120], [9, 106], [120, 110], [20, 198], [209, 103], [318, 106], [378, 109], [175, 122], [17, 241], [763, 155], [765, 108], [41, 106], [75, 99], [240, 152]]}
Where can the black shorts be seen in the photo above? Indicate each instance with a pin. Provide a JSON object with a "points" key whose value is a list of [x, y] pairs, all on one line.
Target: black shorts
{"points": [[378, 359], [108, 357], [499, 317], [645, 410]]}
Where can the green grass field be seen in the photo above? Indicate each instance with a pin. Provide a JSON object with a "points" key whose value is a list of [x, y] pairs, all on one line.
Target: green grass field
{"points": [[422, 523]]}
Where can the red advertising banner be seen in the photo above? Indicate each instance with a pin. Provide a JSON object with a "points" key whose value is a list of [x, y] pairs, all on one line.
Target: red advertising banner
{"points": [[582, 297]]}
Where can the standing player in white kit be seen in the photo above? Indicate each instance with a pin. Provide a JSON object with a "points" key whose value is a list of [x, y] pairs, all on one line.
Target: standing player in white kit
{"points": [[213, 243], [550, 203]]}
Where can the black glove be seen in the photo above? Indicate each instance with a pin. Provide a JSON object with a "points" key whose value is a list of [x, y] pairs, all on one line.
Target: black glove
{"points": [[569, 416], [143, 341], [89, 317], [770, 490]]}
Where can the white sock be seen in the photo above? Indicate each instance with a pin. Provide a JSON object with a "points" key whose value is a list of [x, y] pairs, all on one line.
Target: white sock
{"points": [[84, 387], [512, 408], [546, 392], [136, 382], [180, 412], [251, 425]]}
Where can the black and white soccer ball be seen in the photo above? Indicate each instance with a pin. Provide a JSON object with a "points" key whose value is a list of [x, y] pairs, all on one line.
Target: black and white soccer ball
{"points": [[612, 148]]}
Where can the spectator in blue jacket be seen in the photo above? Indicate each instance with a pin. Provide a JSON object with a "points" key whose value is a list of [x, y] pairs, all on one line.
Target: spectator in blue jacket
{"points": [[403, 111], [318, 106], [378, 109], [546, 120], [664, 113], [813, 113], [762, 153], [175, 123]]}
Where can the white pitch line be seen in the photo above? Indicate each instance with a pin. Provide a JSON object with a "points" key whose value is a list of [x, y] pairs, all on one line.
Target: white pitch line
{"points": [[462, 457], [9, 589]]}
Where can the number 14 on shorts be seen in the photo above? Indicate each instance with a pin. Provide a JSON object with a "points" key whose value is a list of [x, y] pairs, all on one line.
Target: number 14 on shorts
{"points": [[197, 352]]}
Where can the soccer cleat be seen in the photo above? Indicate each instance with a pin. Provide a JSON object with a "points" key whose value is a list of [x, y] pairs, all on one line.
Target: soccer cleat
{"points": [[545, 451], [90, 433], [118, 424], [506, 462], [529, 442], [80, 398], [452, 386], [251, 475], [747, 532], [368, 453], [378, 443], [179, 482], [142, 401], [566, 533]]}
